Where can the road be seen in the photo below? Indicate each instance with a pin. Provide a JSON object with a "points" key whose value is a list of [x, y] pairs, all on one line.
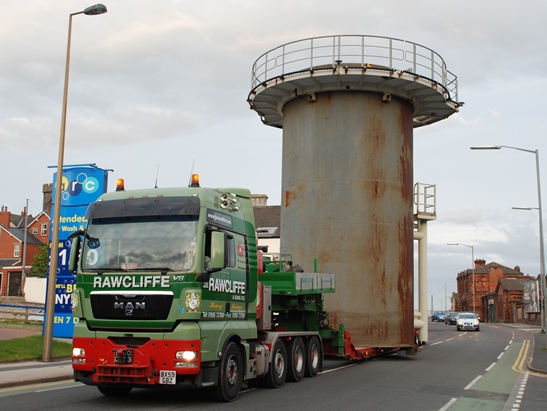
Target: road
{"points": [[456, 370]]}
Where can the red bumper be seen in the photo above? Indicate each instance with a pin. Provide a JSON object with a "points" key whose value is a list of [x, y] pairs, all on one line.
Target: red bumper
{"points": [[107, 362]]}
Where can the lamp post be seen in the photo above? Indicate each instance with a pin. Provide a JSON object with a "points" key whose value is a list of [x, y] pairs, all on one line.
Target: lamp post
{"points": [[54, 254], [472, 267], [539, 208]]}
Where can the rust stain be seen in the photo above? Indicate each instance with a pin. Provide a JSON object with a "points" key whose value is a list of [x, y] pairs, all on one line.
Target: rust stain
{"points": [[289, 196]]}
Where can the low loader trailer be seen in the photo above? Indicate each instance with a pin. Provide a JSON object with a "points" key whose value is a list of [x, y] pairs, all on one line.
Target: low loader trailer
{"points": [[172, 292]]}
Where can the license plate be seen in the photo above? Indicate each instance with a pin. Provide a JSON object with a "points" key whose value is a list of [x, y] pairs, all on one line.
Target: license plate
{"points": [[168, 377], [123, 356]]}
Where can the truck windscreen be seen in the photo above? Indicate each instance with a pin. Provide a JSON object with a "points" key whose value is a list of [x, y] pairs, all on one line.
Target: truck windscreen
{"points": [[164, 243]]}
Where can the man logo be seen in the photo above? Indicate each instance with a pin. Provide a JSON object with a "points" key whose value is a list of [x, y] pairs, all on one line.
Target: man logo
{"points": [[130, 306]]}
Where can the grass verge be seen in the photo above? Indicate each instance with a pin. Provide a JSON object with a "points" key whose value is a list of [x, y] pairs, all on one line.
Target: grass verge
{"points": [[31, 348]]}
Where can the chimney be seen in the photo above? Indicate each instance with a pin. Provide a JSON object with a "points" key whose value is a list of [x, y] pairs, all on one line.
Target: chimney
{"points": [[47, 191], [5, 217], [259, 200], [479, 263]]}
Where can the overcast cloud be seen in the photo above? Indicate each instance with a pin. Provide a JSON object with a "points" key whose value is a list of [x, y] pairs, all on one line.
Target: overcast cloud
{"points": [[163, 84]]}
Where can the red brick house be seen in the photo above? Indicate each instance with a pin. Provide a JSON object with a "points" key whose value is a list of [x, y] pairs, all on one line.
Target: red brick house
{"points": [[13, 247], [506, 303], [494, 285]]}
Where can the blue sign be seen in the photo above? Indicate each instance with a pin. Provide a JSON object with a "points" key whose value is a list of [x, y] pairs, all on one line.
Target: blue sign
{"points": [[81, 185]]}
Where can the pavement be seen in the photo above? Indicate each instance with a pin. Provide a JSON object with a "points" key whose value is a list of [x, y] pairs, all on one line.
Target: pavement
{"points": [[38, 372]]}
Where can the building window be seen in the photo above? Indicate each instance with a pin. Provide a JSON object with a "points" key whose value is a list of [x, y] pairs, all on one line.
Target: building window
{"points": [[34, 231], [17, 250], [43, 233]]}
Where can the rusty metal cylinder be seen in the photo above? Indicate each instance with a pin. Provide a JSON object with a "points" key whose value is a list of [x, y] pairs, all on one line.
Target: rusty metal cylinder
{"points": [[347, 201]]}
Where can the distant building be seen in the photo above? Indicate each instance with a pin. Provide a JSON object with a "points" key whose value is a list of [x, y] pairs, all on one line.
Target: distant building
{"points": [[14, 247], [493, 291], [267, 223]]}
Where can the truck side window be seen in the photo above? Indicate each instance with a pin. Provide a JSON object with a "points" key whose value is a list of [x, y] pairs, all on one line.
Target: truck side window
{"points": [[231, 252]]}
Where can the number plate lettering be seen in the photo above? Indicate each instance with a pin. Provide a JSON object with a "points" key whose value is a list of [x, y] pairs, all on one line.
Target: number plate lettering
{"points": [[168, 377]]}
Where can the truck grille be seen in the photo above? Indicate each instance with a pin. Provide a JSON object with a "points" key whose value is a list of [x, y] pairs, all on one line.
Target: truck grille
{"points": [[142, 306]]}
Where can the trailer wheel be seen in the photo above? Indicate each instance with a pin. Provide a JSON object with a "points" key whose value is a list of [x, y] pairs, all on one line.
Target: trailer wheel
{"points": [[313, 356], [114, 390], [297, 360], [230, 378], [275, 378]]}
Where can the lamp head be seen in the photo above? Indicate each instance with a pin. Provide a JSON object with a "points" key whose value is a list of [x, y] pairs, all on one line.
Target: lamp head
{"points": [[96, 9], [485, 147]]}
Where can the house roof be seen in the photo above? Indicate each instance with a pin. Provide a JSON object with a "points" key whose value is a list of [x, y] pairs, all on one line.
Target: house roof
{"points": [[268, 221], [512, 284], [18, 221], [485, 269], [19, 234], [10, 262]]}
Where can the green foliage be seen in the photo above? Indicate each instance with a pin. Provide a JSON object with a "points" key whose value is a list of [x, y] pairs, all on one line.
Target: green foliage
{"points": [[30, 348], [39, 267]]}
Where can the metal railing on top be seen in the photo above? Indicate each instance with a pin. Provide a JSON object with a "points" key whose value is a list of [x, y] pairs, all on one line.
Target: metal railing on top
{"points": [[351, 50]]}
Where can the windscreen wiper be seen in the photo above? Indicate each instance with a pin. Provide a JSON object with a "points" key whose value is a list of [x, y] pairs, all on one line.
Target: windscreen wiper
{"points": [[162, 270], [102, 270]]}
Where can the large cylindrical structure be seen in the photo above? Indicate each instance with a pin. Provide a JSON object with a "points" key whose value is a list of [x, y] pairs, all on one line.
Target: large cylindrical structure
{"points": [[347, 200], [348, 106]]}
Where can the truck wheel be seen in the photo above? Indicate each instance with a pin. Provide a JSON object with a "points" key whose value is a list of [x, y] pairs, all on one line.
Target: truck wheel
{"points": [[230, 378], [313, 356], [297, 360], [114, 390], [275, 378]]}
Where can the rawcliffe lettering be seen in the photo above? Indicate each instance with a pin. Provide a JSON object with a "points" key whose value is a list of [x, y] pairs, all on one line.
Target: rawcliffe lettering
{"points": [[226, 286], [128, 281]]}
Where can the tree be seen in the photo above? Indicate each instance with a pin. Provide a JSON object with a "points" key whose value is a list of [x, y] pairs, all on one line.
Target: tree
{"points": [[40, 264]]}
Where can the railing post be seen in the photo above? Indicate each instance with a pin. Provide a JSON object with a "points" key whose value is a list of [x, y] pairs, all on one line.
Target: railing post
{"points": [[391, 53], [414, 58]]}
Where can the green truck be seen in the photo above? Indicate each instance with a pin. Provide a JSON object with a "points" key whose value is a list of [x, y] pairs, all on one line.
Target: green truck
{"points": [[173, 292]]}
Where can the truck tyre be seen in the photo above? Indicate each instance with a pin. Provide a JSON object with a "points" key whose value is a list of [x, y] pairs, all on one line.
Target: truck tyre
{"points": [[297, 360], [275, 378], [114, 390], [230, 377], [313, 356]]}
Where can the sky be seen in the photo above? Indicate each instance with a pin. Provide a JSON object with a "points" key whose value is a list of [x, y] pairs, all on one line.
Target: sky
{"points": [[158, 89]]}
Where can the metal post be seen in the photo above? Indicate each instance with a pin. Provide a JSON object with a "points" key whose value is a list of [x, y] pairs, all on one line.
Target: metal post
{"points": [[54, 254], [541, 249], [541, 242]]}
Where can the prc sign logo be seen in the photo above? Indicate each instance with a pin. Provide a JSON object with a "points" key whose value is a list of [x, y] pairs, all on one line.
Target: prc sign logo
{"points": [[81, 185], [82, 182]]}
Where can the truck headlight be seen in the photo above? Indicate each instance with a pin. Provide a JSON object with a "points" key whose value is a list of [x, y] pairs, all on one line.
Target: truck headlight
{"points": [[78, 352], [186, 355]]}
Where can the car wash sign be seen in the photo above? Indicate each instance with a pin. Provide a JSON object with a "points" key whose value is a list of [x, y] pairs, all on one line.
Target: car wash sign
{"points": [[81, 185]]}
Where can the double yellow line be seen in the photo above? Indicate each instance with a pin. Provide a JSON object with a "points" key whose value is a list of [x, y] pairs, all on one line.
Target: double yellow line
{"points": [[520, 362]]}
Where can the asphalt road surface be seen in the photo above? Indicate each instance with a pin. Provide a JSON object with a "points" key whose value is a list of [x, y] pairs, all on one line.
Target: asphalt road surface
{"points": [[455, 371]]}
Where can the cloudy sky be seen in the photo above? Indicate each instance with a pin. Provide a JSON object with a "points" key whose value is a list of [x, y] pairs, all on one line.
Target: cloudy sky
{"points": [[160, 87]]}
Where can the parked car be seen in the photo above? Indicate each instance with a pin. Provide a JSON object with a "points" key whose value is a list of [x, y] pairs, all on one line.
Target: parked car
{"points": [[467, 321], [438, 316], [451, 318]]}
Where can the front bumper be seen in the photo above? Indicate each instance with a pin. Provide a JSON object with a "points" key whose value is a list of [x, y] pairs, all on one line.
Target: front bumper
{"points": [[108, 362]]}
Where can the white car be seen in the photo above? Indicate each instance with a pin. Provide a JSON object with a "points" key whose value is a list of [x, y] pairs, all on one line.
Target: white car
{"points": [[467, 321]]}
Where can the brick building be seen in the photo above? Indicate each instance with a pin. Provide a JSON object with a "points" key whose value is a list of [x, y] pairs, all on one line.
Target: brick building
{"points": [[16, 247], [491, 290]]}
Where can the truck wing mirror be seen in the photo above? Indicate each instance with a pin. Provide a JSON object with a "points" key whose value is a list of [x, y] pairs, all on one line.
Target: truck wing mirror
{"points": [[217, 260], [218, 250], [74, 253]]}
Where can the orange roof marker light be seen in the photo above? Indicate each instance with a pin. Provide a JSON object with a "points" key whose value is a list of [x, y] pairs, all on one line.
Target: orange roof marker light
{"points": [[194, 180], [120, 184]]}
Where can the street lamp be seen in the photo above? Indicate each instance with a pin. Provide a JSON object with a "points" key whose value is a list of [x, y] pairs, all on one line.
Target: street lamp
{"points": [[539, 208], [472, 267], [54, 254]]}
